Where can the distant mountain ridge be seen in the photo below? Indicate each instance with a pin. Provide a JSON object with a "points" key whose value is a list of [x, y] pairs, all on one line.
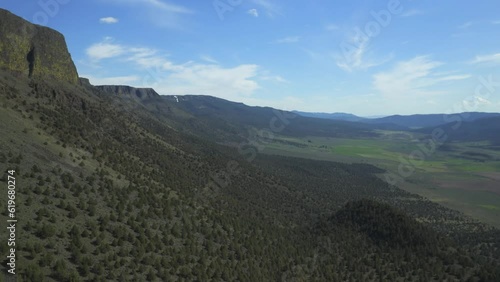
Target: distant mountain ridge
{"points": [[483, 129], [336, 116], [121, 184], [409, 121], [239, 115], [429, 120]]}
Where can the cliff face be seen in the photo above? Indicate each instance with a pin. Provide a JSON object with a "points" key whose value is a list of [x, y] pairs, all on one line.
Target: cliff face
{"points": [[135, 93], [34, 50]]}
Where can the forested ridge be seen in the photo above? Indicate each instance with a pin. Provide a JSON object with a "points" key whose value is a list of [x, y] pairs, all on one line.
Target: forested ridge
{"points": [[111, 190]]}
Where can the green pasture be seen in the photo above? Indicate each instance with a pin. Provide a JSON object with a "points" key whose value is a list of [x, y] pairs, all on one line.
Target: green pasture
{"points": [[436, 169]]}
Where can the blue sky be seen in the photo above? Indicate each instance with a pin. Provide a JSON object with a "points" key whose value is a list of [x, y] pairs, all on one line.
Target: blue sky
{"points": [[362, 57]]}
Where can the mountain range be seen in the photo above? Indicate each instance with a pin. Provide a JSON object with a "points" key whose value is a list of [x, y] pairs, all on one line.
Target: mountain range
{"points": [[410, 121], [115, 183]]}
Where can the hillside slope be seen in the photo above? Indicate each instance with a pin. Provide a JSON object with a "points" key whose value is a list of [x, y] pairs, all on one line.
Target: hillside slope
{"points": [[240, 117], [110, 187], [485, 129]]}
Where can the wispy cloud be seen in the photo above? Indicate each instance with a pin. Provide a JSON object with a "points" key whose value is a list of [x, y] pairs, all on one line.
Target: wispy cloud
{"points": [[475, 101], [161, 13], [353, 56], [253, 13], [116, 80], [157, 4], [151, 68], [465, 25], [411, 13], [454, 77], [108, 20], [487, 59], [413, 78], [288, 39], [495, 22], [274, 78], [209, 59], [354, 59], [270, 7], [104, 50]]}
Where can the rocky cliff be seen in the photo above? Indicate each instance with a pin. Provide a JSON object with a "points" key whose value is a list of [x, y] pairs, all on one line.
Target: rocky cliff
{"points": [[34, 50], [135, 93]]}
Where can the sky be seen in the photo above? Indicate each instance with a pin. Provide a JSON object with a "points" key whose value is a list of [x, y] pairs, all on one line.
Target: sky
{"points": [[363, 57]]}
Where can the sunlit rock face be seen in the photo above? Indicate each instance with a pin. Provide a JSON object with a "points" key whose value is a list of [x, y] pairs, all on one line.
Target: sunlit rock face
{"points": [[34, 50]]}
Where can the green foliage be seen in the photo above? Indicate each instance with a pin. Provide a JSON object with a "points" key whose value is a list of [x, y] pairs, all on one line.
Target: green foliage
{"points": [[144, 206]]}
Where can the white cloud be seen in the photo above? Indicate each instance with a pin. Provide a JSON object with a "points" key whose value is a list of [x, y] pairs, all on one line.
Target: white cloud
{"points": [[354, 59], [161, 13], [229, 83], [117, 80], [209, 59], [104, 50], [412, 12], [487, 59], [253, 12], [454, 77], [353, 56], [275, 78], [416, 86], [156, 4], [495, 22], [289, 39], [475, 101], [108, 20], [168, 7], [149, 68], [412, 78]]}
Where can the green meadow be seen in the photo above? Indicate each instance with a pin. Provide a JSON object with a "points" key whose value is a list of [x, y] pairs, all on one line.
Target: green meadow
{"points": [[464, 177]]}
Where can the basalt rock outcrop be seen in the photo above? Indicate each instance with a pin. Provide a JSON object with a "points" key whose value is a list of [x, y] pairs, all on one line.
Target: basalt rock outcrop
{"points": [[33, 50]]}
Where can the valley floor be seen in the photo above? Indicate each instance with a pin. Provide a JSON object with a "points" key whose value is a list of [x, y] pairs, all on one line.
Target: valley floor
{"points": [[461, 176]]}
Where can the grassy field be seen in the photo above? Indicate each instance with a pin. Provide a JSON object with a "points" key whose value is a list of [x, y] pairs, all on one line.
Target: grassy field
{"points": [[464, 177]]}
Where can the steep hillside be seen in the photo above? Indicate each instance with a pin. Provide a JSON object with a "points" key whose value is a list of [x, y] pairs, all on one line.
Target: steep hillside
{"points": [[240, 118], [125, 188], [112, 192]]}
